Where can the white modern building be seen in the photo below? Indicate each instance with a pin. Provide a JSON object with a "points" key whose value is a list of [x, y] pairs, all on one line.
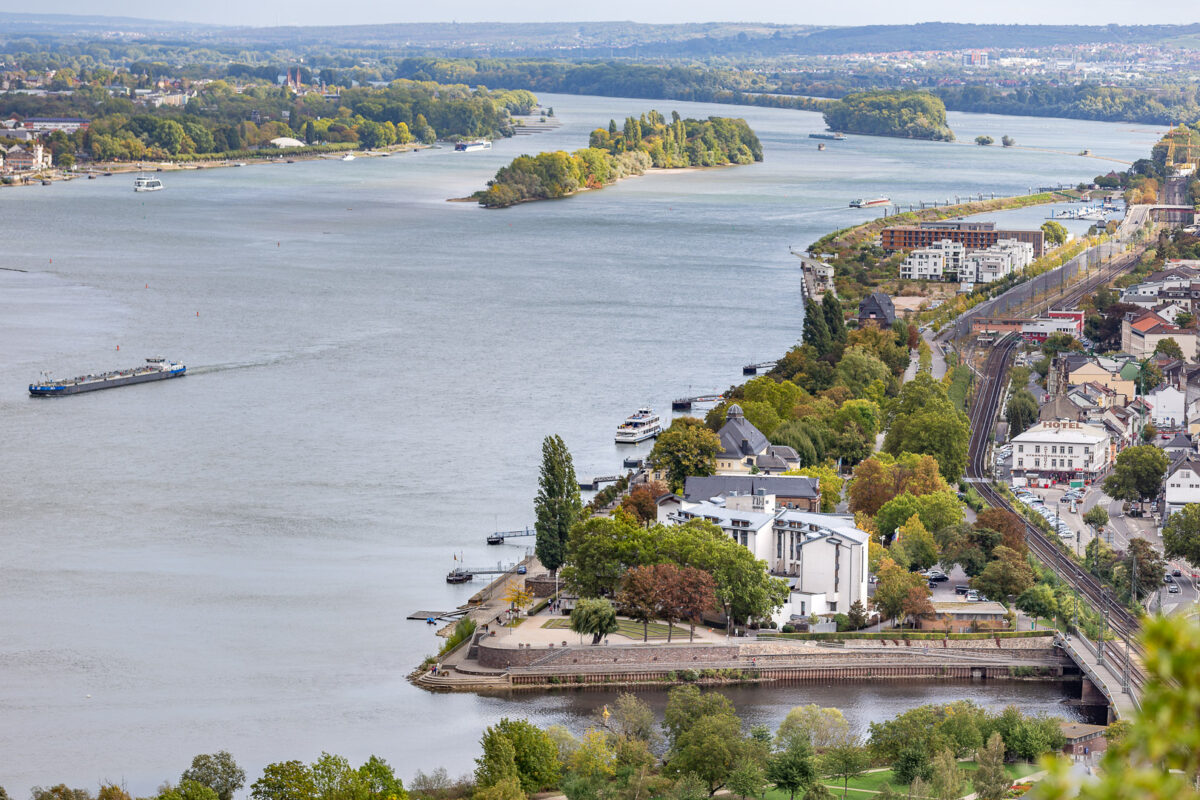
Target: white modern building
{"points": [[1001, 259], [1182, 486], [823, 556], [940, 261], [1168, 407], [1059, 450]]}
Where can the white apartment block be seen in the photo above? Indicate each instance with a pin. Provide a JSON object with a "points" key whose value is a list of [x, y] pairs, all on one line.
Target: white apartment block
{"points": [[1060, 450], [1003, 258], [1182, 486], [940, 261]]}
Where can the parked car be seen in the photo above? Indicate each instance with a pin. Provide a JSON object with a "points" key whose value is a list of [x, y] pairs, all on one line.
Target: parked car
{"points": [[960, 589], [972, 595]]}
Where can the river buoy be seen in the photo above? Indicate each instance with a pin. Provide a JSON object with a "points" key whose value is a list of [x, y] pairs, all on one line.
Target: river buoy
{"points": [[197, 313], [118, 347]]}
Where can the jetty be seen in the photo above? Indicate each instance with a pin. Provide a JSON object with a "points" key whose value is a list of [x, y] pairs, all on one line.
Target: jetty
{"points": [[686, 403], [498, 537], [752, 369], [595, 483]]}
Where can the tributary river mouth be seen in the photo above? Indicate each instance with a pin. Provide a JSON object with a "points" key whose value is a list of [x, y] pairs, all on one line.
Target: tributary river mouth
{"points": [[225, 561]]}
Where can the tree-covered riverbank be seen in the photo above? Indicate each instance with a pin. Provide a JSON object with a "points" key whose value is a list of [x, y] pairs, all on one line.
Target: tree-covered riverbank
{"points": [[615, 153]]}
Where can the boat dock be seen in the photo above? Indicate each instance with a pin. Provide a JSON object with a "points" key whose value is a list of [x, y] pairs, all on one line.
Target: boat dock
{"points": [[498, 537], [686, 403], [595, 484], [752, 369]]}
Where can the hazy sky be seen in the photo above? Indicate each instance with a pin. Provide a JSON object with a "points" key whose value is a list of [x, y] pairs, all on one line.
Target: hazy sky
{"points": [[821, 12]]}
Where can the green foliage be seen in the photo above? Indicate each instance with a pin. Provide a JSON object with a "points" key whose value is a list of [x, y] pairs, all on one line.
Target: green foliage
{"points": [[935, 509], [1021, 412], [464, 629], [188, 790], [1137, 473], [558, 505], [1181, 534], [1038, 601], [595, 616], [218, 771], [990, 780], [1096, 516], [924, 420], [820, 727], [793, 769], [710, 748], [1008, 573], [1054, 233], [1169, 347], [747, 780], [610, 156], [946, 780], [912, 763], [380, 781], [284, 780], [912, 115], [816, 330], [516, 748], [984, 140], [686, 448]]}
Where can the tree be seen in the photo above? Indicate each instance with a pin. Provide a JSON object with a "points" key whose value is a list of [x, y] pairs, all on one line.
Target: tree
{"points": [[709, 748], [820, 727], [1021, 412], [638, 597], [1054, 232], [595, 616], [919, 546], [534, 755], [859, 368], [594, 758], [915, 604], [380, 780], [847, 759], [686, 448], [1096, 516], [990, 779], [828, 480], [686, 705], [683, 594], [558, 506], [1144, 568], [217, 771], [599, 551], [946, 782], [1007, 141], [284, 780], [857, 615], [334, 779], [793, 769], [1038, 601], [891, 592], [984, 140], [1169, 347], [1010, 527], [924, 420], [912, 763], [642, 504], [1138, 473], [1181, 534], [186, 790], [748, 779], [816, 331], [835, 317], [1007, 573]]}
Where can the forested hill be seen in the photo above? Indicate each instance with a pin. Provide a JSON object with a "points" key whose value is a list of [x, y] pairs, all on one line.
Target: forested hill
{"points": [[910, 115]]}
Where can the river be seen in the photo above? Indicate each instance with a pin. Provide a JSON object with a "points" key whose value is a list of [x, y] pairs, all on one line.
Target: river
{"points": [[226, 561]]}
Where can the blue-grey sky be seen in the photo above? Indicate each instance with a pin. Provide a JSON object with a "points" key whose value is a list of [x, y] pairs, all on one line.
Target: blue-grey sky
{"points": [[820, 12]]}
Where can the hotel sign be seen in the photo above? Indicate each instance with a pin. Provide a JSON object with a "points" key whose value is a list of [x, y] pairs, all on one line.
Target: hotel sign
{"points": [[1063, 425]]}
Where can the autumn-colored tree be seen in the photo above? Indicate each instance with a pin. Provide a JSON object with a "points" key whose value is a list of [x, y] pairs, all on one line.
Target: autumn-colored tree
{"points": [[638, 597], [640, 503], [916, 604], [871, 487], [1007, 524], [684, 594]]}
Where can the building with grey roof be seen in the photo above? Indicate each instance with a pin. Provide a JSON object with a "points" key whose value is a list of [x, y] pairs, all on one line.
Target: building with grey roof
{"points": [[744, 448], [790, 491]]}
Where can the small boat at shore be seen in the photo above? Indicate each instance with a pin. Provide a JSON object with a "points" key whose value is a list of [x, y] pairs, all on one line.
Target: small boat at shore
{"points": [[458, 575], [832, 136], [348, 157]]}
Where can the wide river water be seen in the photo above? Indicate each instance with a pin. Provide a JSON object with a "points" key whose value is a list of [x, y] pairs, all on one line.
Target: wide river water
{"points": [[226, 561]]}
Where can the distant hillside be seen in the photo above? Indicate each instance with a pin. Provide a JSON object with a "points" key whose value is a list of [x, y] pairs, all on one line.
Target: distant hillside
{"points": [[615, 38]]}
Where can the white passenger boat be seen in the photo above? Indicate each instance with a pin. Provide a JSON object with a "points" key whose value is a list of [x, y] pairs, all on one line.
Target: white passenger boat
{"points": [[147, 183], [638, 427], [470, 147]]}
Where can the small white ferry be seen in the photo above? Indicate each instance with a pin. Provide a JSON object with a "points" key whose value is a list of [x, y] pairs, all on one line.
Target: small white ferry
{"points": [[638, 427], [147, 183], [470, 147], [348, 157]]}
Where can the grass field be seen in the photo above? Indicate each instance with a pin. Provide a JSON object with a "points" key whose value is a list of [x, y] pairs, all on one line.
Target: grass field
{"points": [[865, 786], [629, 629]]}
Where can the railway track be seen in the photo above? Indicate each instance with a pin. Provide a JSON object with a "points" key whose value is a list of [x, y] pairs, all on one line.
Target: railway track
{"points": [[984, 411]]}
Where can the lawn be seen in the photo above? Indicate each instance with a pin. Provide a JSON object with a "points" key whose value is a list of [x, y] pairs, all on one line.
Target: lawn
{"points": [[864, 786], [629, 628]]}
